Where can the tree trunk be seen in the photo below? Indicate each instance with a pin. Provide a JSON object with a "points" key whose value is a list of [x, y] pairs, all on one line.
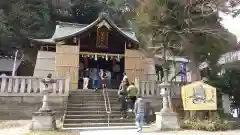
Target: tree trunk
{"points": [[195, 72]]}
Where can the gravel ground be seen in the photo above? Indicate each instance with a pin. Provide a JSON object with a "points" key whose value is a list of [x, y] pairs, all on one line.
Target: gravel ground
{"points": [[14, 127]]}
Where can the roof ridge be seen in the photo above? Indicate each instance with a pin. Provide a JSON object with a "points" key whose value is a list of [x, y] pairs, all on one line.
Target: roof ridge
{"points": [[71, 24], [126, 29]]}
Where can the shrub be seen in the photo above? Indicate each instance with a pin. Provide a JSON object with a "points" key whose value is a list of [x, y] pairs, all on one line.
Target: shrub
{"points": [[209, 125]]}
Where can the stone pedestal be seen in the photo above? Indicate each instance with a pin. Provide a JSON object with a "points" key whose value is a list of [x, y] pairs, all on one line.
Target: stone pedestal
{"points": [[166, 121], [43, 121]]}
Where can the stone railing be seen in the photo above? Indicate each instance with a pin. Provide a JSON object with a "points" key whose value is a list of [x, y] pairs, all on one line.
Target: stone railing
{"points": [[147, 88], [30, 86], [152, 89]]}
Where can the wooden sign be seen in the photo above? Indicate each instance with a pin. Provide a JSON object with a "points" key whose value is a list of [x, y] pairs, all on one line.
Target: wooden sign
{"points": [[199, 96], [102, 37]]}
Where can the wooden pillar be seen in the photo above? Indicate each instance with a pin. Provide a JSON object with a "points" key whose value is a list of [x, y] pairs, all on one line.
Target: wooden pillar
{"points": [[67, 62], [133, 63]]}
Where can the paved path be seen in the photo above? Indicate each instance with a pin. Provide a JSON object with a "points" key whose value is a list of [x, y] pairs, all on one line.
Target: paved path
{"points": [[133, 132]]}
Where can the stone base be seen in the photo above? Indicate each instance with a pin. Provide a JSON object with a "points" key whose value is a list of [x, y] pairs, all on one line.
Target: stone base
{"points": [[43, 121], [166, 121]]}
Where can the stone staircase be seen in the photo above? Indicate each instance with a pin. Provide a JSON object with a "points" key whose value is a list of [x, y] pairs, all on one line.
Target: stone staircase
{"points": [[86, 110]]}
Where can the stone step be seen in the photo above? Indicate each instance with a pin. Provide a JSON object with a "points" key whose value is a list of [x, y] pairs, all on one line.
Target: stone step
{"points": [[90, 108], [98, 120], [86, 98], [96, 116], [92, 90], [93, 112], [81, 125], [93, 94], [92, 105], [92, 100]]}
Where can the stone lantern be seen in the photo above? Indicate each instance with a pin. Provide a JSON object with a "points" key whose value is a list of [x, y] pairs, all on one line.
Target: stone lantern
{"points": [[166, 119], [44, 119]]}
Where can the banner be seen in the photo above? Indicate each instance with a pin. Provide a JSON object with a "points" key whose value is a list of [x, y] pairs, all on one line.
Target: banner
{"points": [[183, 72], [199, 96]]}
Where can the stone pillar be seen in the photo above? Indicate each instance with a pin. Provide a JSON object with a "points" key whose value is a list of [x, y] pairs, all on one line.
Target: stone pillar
{"points": [[166, 119], [44, 119]]}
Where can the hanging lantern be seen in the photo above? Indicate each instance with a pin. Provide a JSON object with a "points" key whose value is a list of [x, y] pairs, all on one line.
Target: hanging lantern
{"points": [[86, 62]]}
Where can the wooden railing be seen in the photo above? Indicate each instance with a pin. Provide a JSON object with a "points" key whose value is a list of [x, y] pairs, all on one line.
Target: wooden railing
{"points": [[30, 86]]}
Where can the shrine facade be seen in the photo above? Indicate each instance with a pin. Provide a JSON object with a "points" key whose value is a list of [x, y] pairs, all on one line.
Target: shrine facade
{"points": [[76, 47]]}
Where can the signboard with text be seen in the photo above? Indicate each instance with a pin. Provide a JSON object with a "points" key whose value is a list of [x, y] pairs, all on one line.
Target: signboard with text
{"points": [[199, 96]]}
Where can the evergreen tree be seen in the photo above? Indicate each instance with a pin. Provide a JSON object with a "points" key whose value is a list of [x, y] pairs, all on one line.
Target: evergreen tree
{"points": [[21, 19], [188, 29]]}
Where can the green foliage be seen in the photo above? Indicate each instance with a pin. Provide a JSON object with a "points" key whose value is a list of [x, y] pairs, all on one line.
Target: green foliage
{"points": [[182, 29], [86, 11], [175, 25], [121, 11], [21, 19], [228, 82], [217, 124]]}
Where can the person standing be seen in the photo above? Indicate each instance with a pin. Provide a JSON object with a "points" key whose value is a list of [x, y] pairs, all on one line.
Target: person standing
{"points": [[104, 77], [95, 78], [122, 93], [139, 110], [132, 95], [109, 76], [86, 79]]}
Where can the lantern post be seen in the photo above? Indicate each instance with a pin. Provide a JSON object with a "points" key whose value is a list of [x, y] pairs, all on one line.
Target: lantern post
{"points": [[44, 118]]}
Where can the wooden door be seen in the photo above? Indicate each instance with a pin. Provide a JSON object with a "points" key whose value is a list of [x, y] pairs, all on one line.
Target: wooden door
{"points": [[67, 62], [134, 64]]}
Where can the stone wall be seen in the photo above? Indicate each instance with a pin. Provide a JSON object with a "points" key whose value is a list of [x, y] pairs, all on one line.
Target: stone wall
{"points": [[156, 104], [21, 107]]}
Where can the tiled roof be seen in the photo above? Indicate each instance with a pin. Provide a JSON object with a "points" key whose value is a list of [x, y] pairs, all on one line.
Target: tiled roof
{"points": [[64, 30], [6, 65]]}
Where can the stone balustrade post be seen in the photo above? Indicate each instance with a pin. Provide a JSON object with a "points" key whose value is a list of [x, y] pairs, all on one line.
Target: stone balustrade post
{"points": [[10, 85], [3, 83], [16, 85]]}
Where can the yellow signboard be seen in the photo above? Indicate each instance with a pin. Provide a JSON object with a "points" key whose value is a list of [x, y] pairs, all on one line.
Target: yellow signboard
{"points": [[199, 96]]}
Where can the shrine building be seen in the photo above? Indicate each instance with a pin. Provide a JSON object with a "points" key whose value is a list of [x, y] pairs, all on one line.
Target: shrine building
{"points": [[75, 48]]}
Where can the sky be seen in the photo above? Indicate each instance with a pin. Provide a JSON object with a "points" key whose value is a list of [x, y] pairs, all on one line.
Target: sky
{"points": [[232, 24]]}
